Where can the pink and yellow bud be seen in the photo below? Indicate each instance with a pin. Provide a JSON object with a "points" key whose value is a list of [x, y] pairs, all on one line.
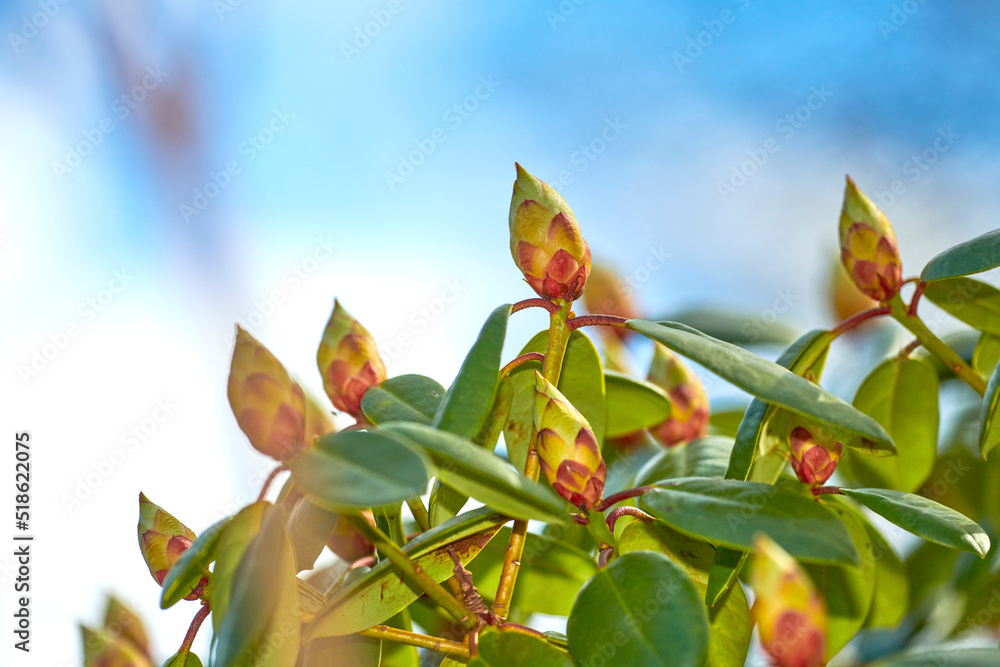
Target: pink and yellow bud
{"points": [[162, 540], [868, 246], [102, 649], [607, 294], [349, 361], [568, 452], [269, 406], [348, 543], [845, 298], [689, 405], [790, 615], [813, 454], [545, 240]]}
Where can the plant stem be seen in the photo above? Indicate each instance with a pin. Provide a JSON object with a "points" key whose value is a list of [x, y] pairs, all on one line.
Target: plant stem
{"points": [[413, 572], [597, 320], [855, 320], [193, 628], [419, 513], [936, 346], [600, 534], [267, 482], [826, 490], [551, 368], [917, 293], [550, 306], [622, 495], [514, 363], [394, 518], [415, 639]]}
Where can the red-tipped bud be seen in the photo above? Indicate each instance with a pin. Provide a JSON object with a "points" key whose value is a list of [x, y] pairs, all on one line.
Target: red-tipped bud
{"points": [[812, 453], [567, 448], [545, 240], [689, 406], [348, 360], [348, 543], [162, 540], [269, 406], [791, 617], [846, 299], [868, 246]]}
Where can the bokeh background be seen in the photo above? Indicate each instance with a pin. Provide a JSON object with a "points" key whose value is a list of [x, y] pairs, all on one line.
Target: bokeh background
{"points": [[168, 169]]}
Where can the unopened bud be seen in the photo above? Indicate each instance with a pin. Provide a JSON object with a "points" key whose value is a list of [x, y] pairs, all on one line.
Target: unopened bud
{"points": [[348, 360], [102, 649], [868, 246], [348, 543], [162, 540], [689, 406], [812, 453]]}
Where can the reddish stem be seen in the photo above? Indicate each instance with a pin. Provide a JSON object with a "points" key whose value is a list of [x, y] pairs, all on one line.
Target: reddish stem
{"points": [[855, 320], [267, 482], [527, 356], [596, 320], [534, 303], [581, 519], [521, 630], [604, 557], [622, 511], [906, 351], [620, 496], [824, 490], [919, 292], [193, 628]]}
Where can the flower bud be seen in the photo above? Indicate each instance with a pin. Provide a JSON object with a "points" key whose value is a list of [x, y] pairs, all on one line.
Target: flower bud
{"points": [[545, 240], [269, 406], [348, 543], [689, 407], [162, 540], [813, 457], [868, 246], [845, 299], [318, 420], [102, 649], [791, 617], [567, 448], [607, 294], [349, 361], [120, 620]]}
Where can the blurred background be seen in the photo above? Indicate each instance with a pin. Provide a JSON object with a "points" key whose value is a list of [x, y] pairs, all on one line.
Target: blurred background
{"points": [[170, 169]]}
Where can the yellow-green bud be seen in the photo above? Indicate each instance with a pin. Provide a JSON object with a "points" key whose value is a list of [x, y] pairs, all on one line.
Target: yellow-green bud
{"points": [[689, 406], [269, 406], [545, 240], [868, 246], [790, 615], [162, 540], [846, 299], [568, 452], [121, 621], [101, 649], [348, 543], [349, 361], [812, 453]]}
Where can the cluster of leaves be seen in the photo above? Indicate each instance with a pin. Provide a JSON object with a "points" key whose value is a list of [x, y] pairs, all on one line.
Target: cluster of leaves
{"points": [[639, 544]]}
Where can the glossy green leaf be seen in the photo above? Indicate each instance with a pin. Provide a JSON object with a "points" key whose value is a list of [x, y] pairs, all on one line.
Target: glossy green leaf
{"points": [[192, 565], [726, 421], [504, 649], [551, 575], [359, 469], [847, 591], [382, 593], [986, 354], [741, 329], [467, 403], [633, 404], [729, 620], [262, 624], [353, 650], [704, 457], [185, 659], [479, 474], [892, 586], [309, 528], [980, 254], [730, 512], [949, 657], [772, 383], [409, 398], [640, 610], [902, 395], [971, 301], [518, 430], [233, 543], [989, 425], [924, 518]]}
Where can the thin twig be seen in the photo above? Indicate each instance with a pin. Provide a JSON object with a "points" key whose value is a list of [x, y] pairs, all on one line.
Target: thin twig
{"points": [[416, 639], [908, 350], [825, 490], [535, 303], [596, 320], [524, 358], [193, 628], [621, 511], [622, 495], [919, 292], [855, 320], [267, 482]]}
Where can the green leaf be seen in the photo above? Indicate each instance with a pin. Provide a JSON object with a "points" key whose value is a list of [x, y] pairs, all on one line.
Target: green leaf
{"points": [[892, 586], [185, 659], [551, 575], [902, 395], [980, 254], [262, 626], [633, 404], [726, 421], [640, 610], [233, 543], [704, 457], [772, 383], [950, 657], [192, 565], [924, 518], [989, 426], [847, 591], [382, 593], [479, 474], [353, 650], [971, 301], [309, 528], [730, 512], [986, 354], [467, 403], [741, 329], [729, 620], [503, 649], [359, 469], [406, 398]]}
